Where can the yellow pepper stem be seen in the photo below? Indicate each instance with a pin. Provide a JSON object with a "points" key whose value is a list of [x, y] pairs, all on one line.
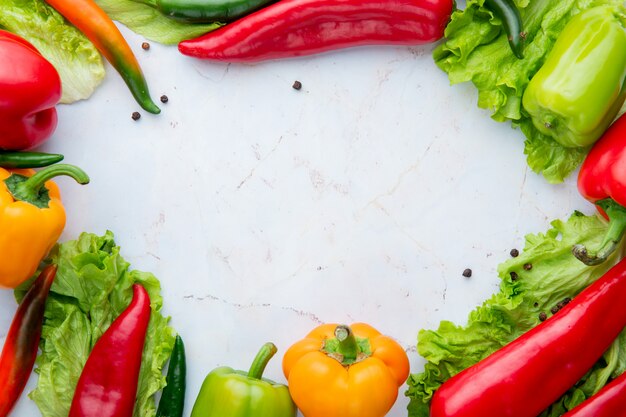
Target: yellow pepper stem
{"points": [[261, 360], [347, 347], [32, 190]]}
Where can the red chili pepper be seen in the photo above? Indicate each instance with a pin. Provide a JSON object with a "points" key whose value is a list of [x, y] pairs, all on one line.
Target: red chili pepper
{"points": [[524, 377], [30, 87], [20, 348], [98, 27], [610, 401], [107, 387], [602, 180], [292, 28]]}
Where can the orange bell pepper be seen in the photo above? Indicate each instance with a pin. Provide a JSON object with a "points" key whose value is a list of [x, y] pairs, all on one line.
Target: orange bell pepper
{"points": [[345, 371], [32, 218]]}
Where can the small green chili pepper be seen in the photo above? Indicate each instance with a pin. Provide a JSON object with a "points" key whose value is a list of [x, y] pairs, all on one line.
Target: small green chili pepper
{"points": [[206, 11], [226, 392], [507, 11], [28, 159], [578, 91], [172, 400]]}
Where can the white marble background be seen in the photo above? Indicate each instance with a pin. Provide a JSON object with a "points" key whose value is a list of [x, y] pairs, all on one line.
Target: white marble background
{"points": [[266, 211]]}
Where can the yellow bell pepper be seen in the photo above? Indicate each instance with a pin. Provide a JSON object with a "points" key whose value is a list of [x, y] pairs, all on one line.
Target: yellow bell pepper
{"points": [[32, 218], [345, 371]]}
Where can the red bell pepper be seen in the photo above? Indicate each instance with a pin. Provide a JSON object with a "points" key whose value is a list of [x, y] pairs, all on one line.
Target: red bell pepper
{"points": [[524, 377], [291, 28], [602, 180], [20, 348], [30, 87], [107, 387], [610, 401]]}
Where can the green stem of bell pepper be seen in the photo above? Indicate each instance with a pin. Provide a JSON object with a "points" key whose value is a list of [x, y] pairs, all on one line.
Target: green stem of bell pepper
{"points": [[261, 360], [617, 227], [347, 346], [172, 400]]}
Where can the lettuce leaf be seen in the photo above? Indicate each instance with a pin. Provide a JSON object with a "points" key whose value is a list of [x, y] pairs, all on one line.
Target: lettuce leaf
{"points": [[92, 287], [149, 22], [78, 62], [476, 49], [515, 309]]}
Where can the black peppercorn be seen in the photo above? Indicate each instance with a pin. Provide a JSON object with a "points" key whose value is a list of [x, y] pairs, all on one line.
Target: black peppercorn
{"points": [[528, 267], [514, 253], [554, 309], [297, 85], [164, 99], [145, 46], [136, 115], [543, 316], [514, 276], [467, 273]]}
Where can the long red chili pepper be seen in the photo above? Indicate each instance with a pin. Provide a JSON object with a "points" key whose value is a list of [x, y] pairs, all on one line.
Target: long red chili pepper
{"points": [[96, 25], [20, 348], [524, 377], [602, 180], [107, 387], [610, 401], [292, 28]]}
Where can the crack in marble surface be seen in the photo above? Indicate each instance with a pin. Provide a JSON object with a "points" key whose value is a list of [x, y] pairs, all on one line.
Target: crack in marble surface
{"points": [[261, 160], [302, 313], [206, 76]]}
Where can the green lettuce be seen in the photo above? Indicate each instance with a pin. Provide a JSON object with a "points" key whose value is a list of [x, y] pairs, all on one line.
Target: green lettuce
{"points": [[149, 22], [77, 61], [555, 275], [92, 287], [476, 49]]}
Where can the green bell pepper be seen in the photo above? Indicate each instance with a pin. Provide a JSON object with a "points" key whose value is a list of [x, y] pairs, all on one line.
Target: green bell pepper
{"points": [[578, 91], [229, 393]]}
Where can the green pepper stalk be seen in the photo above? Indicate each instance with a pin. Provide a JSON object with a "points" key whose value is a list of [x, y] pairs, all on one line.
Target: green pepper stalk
{"points": [[226, 392], [507, 11], [578, 91]]}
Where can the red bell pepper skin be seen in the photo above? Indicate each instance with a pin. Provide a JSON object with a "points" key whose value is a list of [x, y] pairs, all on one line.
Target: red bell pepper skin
{"points": [[107, 387], [524, 377], [610, 401], [20, 348], [30, 87], [602, 181], [291, 28]]}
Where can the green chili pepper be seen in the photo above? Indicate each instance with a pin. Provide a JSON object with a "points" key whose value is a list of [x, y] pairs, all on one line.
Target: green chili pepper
{"points": [[226, 392], [578, 91], [172, 400], [204, 11], [507, 11], [28, 159]]}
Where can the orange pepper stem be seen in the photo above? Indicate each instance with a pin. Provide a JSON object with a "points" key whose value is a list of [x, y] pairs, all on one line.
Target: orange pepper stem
{"points": [[617, 227], [261, 360], [348, 347], [32, 190]]}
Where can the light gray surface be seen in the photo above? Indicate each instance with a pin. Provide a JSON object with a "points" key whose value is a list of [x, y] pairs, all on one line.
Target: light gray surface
{"points": [[265, 211]]}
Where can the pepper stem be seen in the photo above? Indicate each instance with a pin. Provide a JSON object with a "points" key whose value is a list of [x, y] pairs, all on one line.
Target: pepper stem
{"points": [[32, 190], [347, 346], [261, 360], [617, 227]]}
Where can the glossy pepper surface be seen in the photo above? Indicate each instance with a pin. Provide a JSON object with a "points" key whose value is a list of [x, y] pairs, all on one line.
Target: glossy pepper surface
{"points": [[32, 218], [28, 159], [578, 91], [602, 181], [524, 377], [291, 28], [172, 402], [96, 25], [226, 392], [508, 12], [107, 386], [199, 11], [610, 401], [345, 371], [30, 87], [22, 342]]}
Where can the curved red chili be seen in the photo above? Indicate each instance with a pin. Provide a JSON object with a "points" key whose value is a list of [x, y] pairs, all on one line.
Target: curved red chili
{"points": [[524, 377], [22, 342], [107, 387], [602, 181], [291, 28], [610, 401]]}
